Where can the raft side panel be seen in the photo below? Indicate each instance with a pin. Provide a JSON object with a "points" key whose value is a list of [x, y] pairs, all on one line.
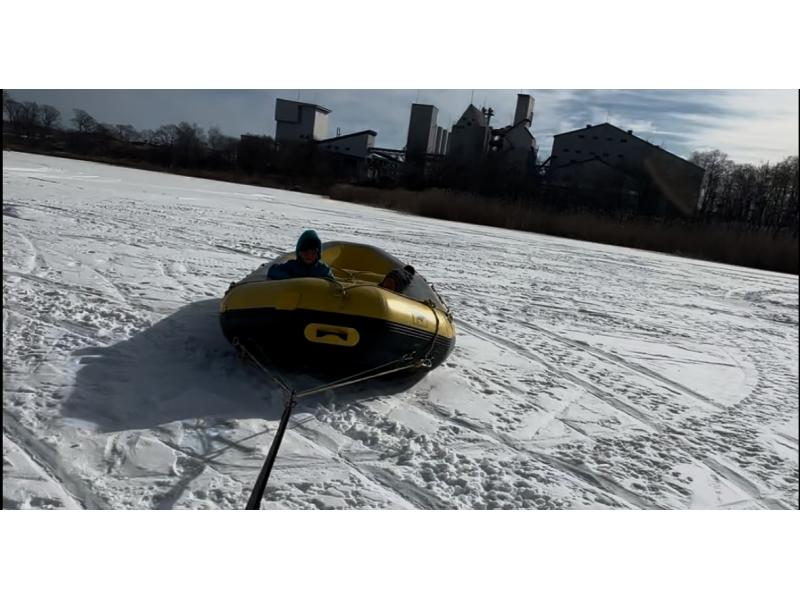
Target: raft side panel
{"points": [[284, 338]]}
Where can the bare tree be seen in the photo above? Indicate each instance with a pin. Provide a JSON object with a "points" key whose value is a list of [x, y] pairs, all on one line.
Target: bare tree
{"points": [[29, 118], [717, 166], [16, 114], [218, 141], [784, 194], [223, 148], [127, 133], [6, 99], [190, 144], [84, 122], [164, 135], [106, 130], [761, 197], [50, 116], [146, 135]]}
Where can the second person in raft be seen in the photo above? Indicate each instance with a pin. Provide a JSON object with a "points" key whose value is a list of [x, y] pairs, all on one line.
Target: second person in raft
{"points": [[398, 279], [307, 264]]}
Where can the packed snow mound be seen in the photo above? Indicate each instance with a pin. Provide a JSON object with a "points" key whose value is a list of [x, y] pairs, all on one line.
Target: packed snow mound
{"points": [[584, 376]]}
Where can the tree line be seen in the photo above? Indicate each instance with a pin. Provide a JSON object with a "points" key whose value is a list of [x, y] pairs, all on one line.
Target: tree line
{"points": [[763, 197], [184, 145]]}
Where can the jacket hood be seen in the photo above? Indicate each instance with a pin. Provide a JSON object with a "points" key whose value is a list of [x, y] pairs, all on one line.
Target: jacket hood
{"points": [[308, 240]]}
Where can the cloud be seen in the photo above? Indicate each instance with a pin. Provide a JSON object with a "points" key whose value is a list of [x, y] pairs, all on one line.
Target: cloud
{"points": [[751, 126], [763, 126]]}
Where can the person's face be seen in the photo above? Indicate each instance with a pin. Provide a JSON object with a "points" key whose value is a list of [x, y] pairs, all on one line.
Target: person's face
{"points": [[388, 283], [309, 256]]}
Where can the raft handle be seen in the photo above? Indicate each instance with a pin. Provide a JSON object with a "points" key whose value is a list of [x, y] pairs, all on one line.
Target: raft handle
{"points": [[332, 335]]}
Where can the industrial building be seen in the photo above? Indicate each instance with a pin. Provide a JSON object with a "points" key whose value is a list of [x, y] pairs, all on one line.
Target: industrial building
{"points": [[469, 142], [350, 153], [514, 144], [297, 122], [599, 160], [607, 185], [513, 147], [385, 166], [303, 123], [357, 145], [425, 144], [665, 183], [442, 139], [425, 137], [422, 132], [469, 139]]}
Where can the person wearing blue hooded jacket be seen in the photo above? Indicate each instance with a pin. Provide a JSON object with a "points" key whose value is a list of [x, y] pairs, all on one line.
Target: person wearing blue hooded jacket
{"points": [[307, 264]]}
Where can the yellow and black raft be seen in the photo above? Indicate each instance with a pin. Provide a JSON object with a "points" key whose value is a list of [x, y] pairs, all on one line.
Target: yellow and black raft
{"points": [[346, 326]]}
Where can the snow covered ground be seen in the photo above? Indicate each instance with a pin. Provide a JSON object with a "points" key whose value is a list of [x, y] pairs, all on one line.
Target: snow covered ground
{"points": [[585, 376]]}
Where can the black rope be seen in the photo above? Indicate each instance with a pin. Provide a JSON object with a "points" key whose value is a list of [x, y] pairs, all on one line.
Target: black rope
{"points": [[435, 332], [348, 382], [254, 503], [257, 494]]}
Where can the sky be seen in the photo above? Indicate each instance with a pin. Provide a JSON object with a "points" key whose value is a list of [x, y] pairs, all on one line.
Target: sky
{"points": [[752, 126]]}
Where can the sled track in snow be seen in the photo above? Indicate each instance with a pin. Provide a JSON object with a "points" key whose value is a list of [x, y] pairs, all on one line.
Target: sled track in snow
{"points": [[405, 491], [117, 292], [46, 458], [35, 261], [237, 251], [66, 286], [368, 469], [740, 482], [791, 439], [599, 482], [192, 466], [588, 386], [610, 357], [65, 327], [734, 479]]}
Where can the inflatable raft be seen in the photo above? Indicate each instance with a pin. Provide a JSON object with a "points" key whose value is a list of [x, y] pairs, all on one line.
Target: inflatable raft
{"points": [[344, 326]]}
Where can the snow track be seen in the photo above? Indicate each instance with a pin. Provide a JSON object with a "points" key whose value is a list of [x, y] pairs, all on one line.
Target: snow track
{"points": [[584, 376], [51, 465]]}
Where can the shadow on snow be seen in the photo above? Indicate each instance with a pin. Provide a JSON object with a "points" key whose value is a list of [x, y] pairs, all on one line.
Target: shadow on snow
{"points": [[183, 368]]}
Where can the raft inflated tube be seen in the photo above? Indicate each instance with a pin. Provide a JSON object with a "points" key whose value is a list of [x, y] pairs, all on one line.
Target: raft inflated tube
{"points": [[347, 325]]}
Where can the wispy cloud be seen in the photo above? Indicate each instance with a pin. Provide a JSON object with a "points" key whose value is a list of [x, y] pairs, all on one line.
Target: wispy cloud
{"points": [[761, 126]]}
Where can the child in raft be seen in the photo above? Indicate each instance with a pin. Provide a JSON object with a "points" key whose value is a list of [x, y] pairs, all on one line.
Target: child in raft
{"points": [[308, 262]]}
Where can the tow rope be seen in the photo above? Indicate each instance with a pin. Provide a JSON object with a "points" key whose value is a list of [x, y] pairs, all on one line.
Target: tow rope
{"points": [[406, 362]]}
